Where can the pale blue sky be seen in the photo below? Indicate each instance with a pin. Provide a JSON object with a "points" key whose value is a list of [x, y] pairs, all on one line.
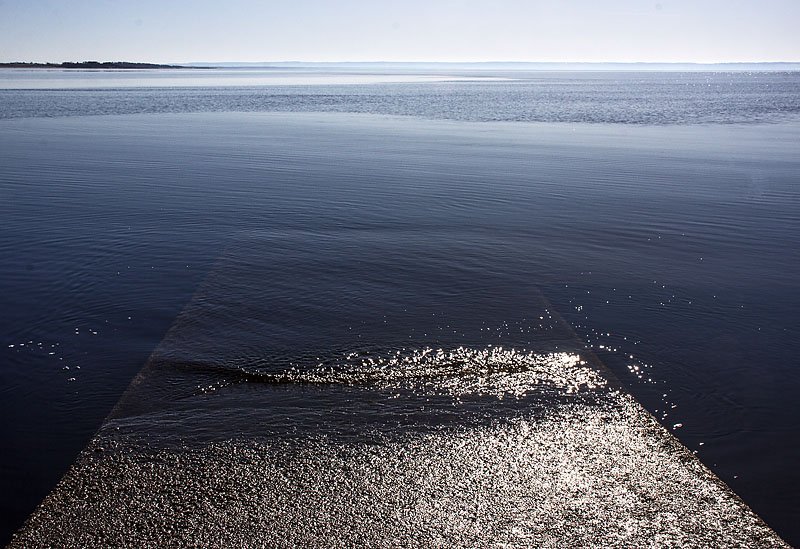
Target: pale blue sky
{"points": [[394, 30]]}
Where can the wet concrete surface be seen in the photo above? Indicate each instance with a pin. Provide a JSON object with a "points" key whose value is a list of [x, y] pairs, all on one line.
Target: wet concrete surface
{"points": [[584, 470]]}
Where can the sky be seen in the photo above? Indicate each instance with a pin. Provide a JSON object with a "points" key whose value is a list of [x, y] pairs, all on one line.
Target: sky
{"points": [[175, 31]]}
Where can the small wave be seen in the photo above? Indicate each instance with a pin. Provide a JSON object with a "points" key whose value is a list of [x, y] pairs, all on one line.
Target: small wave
{"points": [[458, 371]]}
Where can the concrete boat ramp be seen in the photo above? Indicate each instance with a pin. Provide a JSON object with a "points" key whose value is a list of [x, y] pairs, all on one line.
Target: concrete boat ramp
{"points": [[227, 445]]}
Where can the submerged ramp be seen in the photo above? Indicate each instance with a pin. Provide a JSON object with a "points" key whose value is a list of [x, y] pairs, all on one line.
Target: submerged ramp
{"points": [[293, 406]]}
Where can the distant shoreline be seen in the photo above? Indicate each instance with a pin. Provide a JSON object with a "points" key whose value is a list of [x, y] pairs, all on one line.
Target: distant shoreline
{"points": [[424, 66], [91, 65]]}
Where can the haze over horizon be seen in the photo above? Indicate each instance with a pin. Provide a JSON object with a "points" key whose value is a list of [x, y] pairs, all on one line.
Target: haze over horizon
{"points": [[180, 31]]}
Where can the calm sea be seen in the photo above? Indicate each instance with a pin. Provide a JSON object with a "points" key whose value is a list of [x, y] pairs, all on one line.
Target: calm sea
{"points": [[374, 213]]}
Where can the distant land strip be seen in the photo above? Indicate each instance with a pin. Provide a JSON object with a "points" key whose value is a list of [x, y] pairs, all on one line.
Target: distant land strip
{"points": [[425, 65], [90, 65]]}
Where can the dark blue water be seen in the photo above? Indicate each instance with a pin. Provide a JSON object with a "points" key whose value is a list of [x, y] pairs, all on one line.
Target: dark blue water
{"points": [[665, 231]]}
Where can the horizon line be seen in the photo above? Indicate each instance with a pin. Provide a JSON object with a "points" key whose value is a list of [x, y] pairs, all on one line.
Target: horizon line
{"points": [[411, 62]]}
